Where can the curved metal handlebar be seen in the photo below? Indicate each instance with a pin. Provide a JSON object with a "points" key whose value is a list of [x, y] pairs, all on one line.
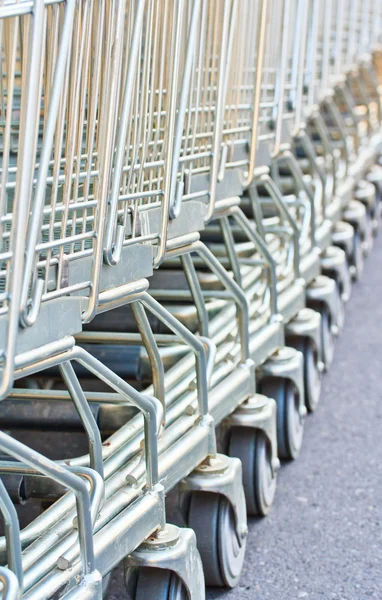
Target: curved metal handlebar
{"points": [[62, 475], [12, 535], [150, 407], [275, 194], [11, 589], [189, 338]]}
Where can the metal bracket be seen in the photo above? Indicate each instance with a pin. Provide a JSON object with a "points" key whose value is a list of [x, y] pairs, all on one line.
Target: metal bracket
{"points": [[172, 548], [355, 214], [323, 289], [374, 176], [366, 193], [220, 475], [258, 412], [334, 260], [10, 590], [90, 586], [287, 363], [307, 324], [342, 236]]}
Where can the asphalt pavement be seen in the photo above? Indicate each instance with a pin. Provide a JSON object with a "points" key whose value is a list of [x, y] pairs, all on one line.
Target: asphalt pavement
{"points": [[322, 539]]}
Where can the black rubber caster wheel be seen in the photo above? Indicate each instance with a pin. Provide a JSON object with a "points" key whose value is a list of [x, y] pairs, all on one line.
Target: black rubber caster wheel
{"points": [[149, 582], [290, 425], [312, 373], [259, 480], [222, 551]]}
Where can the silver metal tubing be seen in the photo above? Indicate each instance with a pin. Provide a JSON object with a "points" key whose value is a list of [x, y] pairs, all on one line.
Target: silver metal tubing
{"points": [[11, 588], [127, 128], [299, 57], [231, 286], [95, 337], [112, 251], [194, 285], [211, 356], [175, 127], [276, 196], [150, 344], [326, 44], [262, 247], [86, 415], [191, 340], [297, 174], [21, 202], [65, 477], [230, 247], [121, 295], [327, 144], [281, 76], [172, 210], [33, 361], [12, 534], [150, 407], [261, 42], [308, 147], [29, 313], [228, 22], [96, 483]]}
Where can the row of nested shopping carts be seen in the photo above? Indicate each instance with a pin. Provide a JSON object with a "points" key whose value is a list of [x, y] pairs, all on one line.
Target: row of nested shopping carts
{"points": [[188, 189]]}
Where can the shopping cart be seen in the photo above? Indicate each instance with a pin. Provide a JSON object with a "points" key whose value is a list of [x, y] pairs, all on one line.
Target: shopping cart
{"points": [[241, 247], [169, 177], [194, 285], [77, 242], [191, 173], [242, 251], [271, 214], [358, 99]]}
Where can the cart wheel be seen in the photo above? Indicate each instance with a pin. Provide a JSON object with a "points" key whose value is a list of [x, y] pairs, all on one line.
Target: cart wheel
{"points": [[145, 583], [312, 374], [250, 445], [290, 426], [356, 258], [212, 518], [327, 338]]}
